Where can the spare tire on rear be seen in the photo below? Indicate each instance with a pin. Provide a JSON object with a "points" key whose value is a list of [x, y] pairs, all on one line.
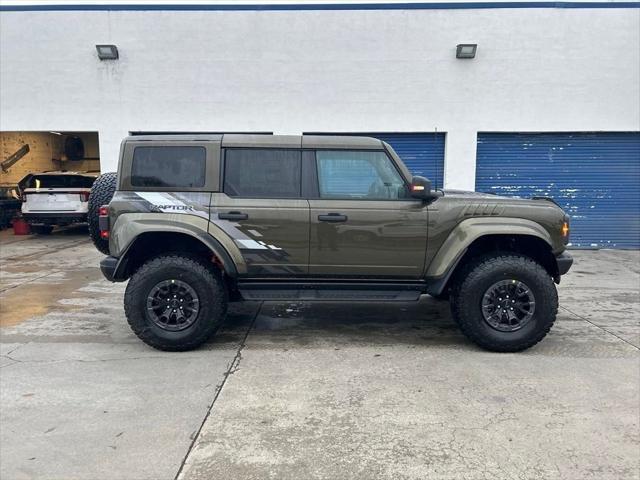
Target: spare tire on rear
{"points": [[101, 194]]}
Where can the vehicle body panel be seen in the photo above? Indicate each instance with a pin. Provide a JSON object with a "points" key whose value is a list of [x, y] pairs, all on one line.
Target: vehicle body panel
{"points": [[397, 239], [469, 230], [379, 238], [448, 214], [130, 226], [273, 239]]}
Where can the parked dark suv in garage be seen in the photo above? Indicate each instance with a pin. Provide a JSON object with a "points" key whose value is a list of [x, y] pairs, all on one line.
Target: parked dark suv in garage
{"points": [[197, 221]]}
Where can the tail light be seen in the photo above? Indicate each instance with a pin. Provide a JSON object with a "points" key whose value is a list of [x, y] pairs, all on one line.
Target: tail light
{"points": [[84, 196], [103, 221]]}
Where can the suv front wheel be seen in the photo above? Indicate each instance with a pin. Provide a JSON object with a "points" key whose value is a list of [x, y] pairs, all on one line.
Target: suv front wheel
{"points": [[504, 302], [175, 302]]}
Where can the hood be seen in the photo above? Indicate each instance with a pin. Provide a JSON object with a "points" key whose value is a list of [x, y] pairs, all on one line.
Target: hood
{"points": [[467, 193], [479, 195]]}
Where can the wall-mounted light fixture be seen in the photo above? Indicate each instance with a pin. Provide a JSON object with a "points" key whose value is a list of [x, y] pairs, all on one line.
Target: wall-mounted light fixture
{"points": [[107, 52], [466, 50]]}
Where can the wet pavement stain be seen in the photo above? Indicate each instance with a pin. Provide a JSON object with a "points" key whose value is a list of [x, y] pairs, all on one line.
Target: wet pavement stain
{"points": [[35, 299]]}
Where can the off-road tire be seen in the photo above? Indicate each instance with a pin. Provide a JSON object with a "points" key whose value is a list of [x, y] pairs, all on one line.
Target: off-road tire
{"points": [[101, 194], [202, 278], [474, 280]]}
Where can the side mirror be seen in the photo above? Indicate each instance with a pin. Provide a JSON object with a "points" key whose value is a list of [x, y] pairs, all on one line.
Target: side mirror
{"points": [[420, 188]]}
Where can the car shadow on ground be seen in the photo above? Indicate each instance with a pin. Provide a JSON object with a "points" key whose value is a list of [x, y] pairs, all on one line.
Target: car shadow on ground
{"points": [[76, 230], [424, 324], [343, 323]]}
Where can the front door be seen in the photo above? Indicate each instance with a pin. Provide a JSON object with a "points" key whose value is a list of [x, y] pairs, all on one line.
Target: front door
{"points": [[363, 222], [262, 210]]}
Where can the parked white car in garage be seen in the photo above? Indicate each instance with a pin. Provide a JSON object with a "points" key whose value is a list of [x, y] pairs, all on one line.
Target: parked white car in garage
{"points": [[55, 198]]}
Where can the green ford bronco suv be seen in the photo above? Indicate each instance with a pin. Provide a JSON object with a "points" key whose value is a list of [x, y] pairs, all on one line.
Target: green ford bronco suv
{"points": [[196, 221]]}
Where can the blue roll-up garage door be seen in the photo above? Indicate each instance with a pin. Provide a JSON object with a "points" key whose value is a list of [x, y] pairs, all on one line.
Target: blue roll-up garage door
{"points": [[422, 153], [595, 177]]}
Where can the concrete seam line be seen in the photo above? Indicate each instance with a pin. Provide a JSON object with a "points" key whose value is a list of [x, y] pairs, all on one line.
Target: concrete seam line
{"points": [[233, 367], [601, 328]]}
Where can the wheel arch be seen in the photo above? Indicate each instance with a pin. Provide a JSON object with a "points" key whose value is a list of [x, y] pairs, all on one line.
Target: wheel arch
{"points": [[476, 237], [151, 243]]}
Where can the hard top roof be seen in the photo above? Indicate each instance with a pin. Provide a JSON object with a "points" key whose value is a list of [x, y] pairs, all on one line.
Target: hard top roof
{"points": [[236, 140]]}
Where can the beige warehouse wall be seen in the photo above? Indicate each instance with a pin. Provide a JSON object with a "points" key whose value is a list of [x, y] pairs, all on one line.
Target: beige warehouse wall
{"points": [[46, 152]]}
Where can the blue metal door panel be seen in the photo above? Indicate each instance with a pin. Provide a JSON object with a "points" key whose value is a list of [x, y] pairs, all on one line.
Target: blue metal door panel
{"points": [[422, 153], [595, 177]]}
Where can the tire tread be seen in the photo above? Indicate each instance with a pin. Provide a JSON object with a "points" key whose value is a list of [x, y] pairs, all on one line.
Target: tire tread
{"points": [[101, 194], [186, 262], [483, 266]]}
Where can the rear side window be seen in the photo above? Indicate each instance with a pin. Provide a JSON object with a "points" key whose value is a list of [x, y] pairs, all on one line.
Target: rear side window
{"points": [[263, 173], [174, 167]]}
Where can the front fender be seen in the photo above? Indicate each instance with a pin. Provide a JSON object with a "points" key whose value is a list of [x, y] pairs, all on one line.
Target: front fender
{"points": [[467, 231], [129, 226]]}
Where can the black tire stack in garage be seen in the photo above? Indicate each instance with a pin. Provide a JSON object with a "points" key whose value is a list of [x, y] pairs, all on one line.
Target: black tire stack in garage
{"points": [[101, 194]]}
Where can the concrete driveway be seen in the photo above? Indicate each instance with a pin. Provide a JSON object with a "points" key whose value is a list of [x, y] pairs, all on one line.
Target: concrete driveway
{"points": [[310, 390]]}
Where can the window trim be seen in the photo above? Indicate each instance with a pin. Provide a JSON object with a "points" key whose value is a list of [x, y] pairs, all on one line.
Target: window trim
{"points": [[211, 166], [342, 199], [223, 171]]}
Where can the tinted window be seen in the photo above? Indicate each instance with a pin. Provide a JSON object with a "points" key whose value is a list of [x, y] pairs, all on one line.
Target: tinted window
{"points": [[266, 173], [168, 167], [358, 175], [59, 181]]}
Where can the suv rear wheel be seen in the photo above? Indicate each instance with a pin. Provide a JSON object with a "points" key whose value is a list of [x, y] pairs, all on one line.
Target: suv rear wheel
{"points": [[504, 302], [175, 302]]}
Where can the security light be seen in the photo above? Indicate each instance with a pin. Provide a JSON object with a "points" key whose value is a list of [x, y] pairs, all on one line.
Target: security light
{"points": [[107, 52], [466, 50]]}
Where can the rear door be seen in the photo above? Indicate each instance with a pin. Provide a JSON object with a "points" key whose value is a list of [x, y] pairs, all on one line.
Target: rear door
{"points": [[363, 223], [262, 209]]}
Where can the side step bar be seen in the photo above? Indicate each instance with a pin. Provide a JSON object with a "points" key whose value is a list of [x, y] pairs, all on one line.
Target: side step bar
{"points": [[332, 292]]}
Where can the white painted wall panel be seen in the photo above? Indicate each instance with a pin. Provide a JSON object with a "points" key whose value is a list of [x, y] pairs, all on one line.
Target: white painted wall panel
{"points": [[295, 71]]}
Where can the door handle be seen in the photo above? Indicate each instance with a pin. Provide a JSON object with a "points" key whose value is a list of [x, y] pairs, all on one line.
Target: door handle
{"points": [[233, 216], [333, 217]]}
